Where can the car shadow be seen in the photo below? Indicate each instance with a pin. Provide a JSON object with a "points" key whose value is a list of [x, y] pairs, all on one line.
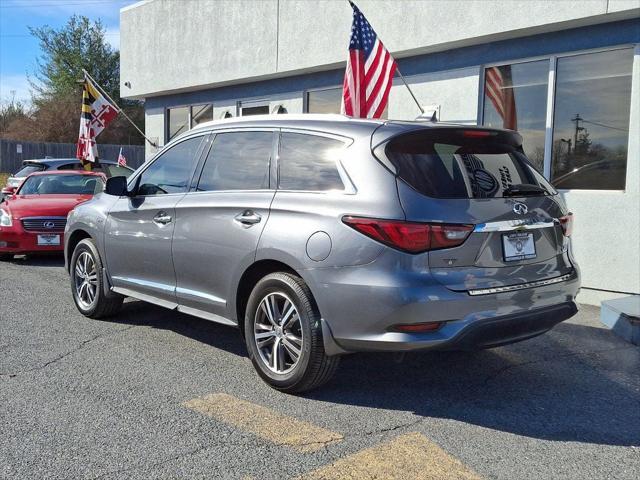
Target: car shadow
{"points": [[40, 260], [136, 312], [563, 386], [549, 388]]}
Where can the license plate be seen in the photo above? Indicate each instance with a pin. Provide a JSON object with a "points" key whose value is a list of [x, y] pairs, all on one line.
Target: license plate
{"points": [[48, 239], [518, 246]]}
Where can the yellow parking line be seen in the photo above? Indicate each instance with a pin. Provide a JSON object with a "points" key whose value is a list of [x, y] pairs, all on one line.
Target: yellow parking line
{"points": [[263, 422], [410, 456]]}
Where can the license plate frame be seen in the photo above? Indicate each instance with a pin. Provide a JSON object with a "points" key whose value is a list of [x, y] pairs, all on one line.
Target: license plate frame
{"points": [[48, 240], [518, 246]]}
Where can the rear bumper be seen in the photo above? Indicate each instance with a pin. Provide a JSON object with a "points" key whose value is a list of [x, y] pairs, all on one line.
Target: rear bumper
{"points": [[361, 305], [15, 240]]}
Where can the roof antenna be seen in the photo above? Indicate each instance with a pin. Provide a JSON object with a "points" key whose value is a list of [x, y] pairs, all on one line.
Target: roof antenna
{"points": [[431, 113]]}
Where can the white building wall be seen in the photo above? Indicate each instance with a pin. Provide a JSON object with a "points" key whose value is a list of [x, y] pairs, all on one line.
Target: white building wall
{"points": [[235, 41]]}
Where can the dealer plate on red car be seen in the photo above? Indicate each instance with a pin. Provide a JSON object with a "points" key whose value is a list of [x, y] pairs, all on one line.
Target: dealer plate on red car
{"points": [[518, 246], [48, 240]]}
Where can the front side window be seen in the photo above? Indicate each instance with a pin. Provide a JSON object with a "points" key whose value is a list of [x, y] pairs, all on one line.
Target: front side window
{"points": [[515, 97], [177, 121], [591, 120], [171, 172], [237, 161], [309, 162]]}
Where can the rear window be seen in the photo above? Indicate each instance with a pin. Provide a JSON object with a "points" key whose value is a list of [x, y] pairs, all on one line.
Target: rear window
{"points": [[61, 185], [465, 164], [28, 170]]}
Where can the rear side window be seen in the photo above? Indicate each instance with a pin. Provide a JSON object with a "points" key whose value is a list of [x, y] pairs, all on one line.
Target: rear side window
{"points": [[171, 172], [237, 161], [28, 170], [71, 166], [459, 164], [309, 162]]}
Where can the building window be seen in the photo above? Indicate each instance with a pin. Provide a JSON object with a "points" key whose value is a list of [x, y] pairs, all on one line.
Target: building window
{"points": [[177, 121], [580, 137], [201, 114], [591, 120], [515, 97], [253, 108], [324, 101]]}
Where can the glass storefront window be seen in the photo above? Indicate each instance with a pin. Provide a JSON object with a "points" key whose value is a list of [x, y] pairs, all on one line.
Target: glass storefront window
{"points": [[177, 121], [324, 101], [591, 120], [515, 97], [201, 114]]}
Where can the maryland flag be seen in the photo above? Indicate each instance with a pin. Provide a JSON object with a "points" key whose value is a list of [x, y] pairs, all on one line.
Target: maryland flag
{"points": [[97, 113]]}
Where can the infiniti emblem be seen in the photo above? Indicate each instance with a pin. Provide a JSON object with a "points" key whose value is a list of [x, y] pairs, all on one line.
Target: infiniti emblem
{"points": [[49, 225], [520, 208]]}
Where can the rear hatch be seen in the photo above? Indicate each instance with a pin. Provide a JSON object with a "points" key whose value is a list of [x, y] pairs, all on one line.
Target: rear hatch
{"points": [[481, 178]]}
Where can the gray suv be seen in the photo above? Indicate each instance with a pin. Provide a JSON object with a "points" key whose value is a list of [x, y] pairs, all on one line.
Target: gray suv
{"points": [[319, 235]]}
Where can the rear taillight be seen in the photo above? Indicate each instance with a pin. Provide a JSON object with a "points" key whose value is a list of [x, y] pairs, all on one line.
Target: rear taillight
{"points": [[410, 236], [566, 223]]}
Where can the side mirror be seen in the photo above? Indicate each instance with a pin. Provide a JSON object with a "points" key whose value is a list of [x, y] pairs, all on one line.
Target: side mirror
{"points": [[116, 186], [9, 190]]}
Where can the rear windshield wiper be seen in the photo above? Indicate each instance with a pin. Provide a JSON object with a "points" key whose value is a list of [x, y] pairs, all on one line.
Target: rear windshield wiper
{"points": [[524, 189]]}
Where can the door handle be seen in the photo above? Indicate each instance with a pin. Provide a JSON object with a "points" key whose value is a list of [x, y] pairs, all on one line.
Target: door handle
{"points": [[248, 217], [162, 218]]}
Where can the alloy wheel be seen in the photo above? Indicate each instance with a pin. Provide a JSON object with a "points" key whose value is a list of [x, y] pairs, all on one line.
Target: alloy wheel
{"points": [[86, 279], [277, 333]]}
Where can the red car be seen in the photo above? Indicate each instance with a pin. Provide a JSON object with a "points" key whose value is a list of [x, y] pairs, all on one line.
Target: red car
{"points": [[33, 219]]}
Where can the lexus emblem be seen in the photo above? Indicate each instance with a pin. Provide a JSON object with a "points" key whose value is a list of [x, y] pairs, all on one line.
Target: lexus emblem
{"points": [[49, 225], [520, 208]]}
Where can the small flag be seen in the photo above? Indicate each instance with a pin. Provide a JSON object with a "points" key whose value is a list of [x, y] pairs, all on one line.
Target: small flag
{"points": [[122, 161], [369, 73], [499, 89], [97, 113]]}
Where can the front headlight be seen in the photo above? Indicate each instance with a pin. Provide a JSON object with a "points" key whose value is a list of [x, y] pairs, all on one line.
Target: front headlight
{"points": [[5, 218]]}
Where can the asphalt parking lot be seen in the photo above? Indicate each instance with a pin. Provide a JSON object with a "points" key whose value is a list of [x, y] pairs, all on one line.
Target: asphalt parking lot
{"points": [[157, 394]]}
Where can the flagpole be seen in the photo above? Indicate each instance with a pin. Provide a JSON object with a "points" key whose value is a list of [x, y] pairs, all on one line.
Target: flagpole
{"points": [[410, 91], [153, 144]]}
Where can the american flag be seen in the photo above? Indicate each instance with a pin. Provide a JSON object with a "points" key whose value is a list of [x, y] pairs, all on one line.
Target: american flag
{"points": [[369, 73], [499, 89], [122, 160]]}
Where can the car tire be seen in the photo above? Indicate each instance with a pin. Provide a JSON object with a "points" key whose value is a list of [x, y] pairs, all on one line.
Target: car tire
{"points": [[5, 257], [87, 283], [299, 332]]}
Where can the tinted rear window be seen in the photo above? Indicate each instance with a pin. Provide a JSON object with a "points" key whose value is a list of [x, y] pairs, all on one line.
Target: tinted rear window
{"points": [[28, 170], [448, 164]]}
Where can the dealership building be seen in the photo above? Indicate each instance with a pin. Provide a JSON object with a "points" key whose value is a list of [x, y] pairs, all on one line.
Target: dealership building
{"points": [[571, 70]]}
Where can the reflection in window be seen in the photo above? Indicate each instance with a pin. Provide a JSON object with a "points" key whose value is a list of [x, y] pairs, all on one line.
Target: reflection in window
{"points": [[308, 162], [515, 97], [237, 161], [324, 101], [178, 121], [171, 172], [591, 120], [201, 114]]}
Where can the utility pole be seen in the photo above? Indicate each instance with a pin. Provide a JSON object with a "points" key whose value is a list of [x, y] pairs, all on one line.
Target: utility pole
{"points": [[577, 119]]}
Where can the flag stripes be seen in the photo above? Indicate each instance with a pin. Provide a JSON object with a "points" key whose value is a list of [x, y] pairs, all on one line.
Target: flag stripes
{"points": [[369, 72]]}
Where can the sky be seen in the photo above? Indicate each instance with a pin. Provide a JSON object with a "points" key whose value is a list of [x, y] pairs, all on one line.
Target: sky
{"points": [[19, 50]]}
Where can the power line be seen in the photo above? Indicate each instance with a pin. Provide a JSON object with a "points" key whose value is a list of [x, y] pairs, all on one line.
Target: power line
{"points": [[605, 126]]}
